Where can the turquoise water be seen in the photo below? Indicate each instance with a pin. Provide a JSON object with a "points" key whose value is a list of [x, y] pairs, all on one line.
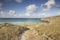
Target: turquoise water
{"points": [[19, 20]]}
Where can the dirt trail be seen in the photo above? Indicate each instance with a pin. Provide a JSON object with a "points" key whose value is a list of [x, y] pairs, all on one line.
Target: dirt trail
{"points": [[31, 34]]}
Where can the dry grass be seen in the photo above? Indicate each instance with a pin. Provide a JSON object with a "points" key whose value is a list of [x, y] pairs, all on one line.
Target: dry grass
{"points": [[51, 29]]}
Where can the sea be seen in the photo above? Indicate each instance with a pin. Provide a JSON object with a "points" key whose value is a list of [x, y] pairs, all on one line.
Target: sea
{"points": [[20, 20]]}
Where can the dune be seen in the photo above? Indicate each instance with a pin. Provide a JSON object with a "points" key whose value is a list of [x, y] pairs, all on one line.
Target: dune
{"points": [[48, 29]]}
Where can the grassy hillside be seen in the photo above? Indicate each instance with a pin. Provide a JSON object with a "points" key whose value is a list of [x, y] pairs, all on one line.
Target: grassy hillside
{"points": [[53, 25], [10, 31], [50, 29]]}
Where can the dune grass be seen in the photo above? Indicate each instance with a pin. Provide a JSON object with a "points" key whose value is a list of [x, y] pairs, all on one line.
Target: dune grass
{"points": [[51, 29]]}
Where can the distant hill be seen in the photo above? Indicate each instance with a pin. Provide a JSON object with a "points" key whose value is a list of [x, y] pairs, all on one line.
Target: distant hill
{"points": [[53, 19]]}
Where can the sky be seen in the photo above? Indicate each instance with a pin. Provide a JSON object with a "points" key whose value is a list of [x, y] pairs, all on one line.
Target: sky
{"points": [[29, 8]]}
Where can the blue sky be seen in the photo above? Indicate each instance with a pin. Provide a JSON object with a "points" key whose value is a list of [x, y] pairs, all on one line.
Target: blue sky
{"points": [[29, 8]]}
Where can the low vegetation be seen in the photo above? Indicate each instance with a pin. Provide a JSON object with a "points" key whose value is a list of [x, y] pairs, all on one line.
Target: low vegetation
{"points": [[49, 30]]}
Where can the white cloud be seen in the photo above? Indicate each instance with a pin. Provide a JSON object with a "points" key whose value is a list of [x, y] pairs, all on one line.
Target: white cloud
{"points": [[11, 12], [48, 5], [31, 9], [27, 14], [57, 6], [49, 14], [7, 14], [14, 14], [19, 1], [17, 15], [57, 13], [42, 15], [1, 5], [2, 14]]}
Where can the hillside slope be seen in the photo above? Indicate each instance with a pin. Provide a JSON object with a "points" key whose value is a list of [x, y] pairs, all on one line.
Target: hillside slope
{"points": [[11, 32], [51, 29], [46, 31]]}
